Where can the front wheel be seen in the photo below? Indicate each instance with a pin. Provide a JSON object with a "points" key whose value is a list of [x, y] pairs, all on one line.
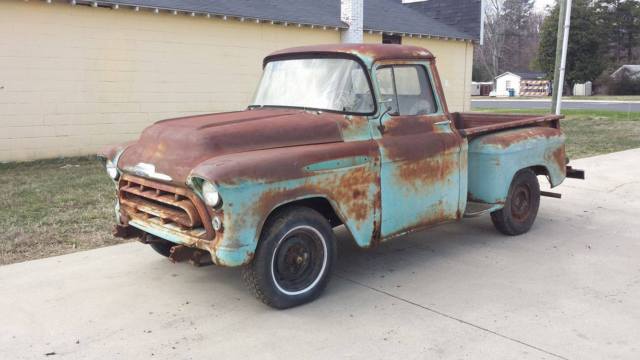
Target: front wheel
{"points": [[521, 208], [294, 258]]}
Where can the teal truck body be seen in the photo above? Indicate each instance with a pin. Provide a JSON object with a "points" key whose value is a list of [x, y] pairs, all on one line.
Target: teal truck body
{"points": [[353, 135]]}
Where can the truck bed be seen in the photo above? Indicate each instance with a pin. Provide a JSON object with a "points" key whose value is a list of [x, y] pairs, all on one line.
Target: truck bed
{"points": [[474, 124]]}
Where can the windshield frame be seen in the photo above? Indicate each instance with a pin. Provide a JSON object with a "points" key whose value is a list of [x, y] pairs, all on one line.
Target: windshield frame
{"points": [[323, 55]]}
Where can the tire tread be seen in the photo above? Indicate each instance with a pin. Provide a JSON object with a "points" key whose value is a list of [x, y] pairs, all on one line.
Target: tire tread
{"points": [[502, 219], [252, 273]]}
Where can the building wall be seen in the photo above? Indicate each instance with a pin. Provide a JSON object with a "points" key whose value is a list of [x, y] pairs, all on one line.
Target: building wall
{"points": [[76, 78], [509, 81]]}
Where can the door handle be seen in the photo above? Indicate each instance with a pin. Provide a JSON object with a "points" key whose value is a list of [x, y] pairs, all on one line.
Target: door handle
{"points": [[444, 122]]}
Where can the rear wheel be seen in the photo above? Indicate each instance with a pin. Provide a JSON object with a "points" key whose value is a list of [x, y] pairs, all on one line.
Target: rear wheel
{"points": [[521, 207], [294, 258]]}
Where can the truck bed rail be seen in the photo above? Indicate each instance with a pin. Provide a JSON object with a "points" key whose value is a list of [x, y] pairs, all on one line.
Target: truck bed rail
{"points": [[473, 124]]}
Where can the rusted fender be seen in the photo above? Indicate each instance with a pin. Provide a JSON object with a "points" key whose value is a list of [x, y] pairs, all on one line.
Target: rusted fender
{"points": [[495, 158], [253, 184]]}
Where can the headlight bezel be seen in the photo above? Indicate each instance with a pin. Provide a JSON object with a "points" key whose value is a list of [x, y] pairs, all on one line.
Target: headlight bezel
{"points": [[112, 170], [111, 166]]}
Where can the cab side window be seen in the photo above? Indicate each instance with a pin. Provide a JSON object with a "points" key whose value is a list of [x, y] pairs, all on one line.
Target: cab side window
{"points": [[407, 89]]}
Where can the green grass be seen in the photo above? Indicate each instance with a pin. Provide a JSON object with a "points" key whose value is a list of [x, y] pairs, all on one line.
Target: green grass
{"points": [[593, 132], [595, 97], [53, 207]]}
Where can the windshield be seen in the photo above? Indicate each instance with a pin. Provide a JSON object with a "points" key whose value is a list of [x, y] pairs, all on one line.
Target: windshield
{"points": [[324, 83]]}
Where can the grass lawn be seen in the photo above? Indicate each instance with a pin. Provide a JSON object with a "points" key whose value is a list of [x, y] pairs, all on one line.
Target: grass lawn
{"points": [[53, 207], [593, 132], [595, 97]]}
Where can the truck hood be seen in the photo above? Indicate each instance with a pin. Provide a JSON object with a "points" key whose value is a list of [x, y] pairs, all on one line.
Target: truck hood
{"points": [[171, 148]]}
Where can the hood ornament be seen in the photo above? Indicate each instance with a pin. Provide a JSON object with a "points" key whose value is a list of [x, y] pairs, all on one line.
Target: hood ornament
{"points": [[147, 170]]}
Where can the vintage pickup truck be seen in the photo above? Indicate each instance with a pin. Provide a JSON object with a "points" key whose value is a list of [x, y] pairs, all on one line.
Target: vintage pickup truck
{"points": [[352, 134]]}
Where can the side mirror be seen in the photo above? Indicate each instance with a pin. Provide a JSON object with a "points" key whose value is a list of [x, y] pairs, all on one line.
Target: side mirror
{"points": [[387, 110]]}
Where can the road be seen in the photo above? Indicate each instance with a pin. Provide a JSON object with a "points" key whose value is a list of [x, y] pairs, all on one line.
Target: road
{"points": [[546, 104], [569, 289]]}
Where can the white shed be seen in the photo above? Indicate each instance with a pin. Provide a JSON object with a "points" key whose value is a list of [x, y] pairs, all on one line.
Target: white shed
{"points": [[522, 83], [507, 81]]}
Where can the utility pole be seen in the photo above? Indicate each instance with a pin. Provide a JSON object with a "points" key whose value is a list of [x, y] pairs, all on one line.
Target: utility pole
{"points": [[562, 44]]}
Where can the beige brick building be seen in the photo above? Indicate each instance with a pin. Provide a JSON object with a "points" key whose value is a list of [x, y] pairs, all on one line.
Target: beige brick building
{"points": [[77, 75]]}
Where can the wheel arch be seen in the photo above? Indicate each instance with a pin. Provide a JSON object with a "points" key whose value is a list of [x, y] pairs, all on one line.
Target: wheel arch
{"points": [[319, 203], [543, 170]]}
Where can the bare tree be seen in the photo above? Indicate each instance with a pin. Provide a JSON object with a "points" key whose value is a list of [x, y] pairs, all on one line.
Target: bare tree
{"points": [[489, 55], [511, 37]]}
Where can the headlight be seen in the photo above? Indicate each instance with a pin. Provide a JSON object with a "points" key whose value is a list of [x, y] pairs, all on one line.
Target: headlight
{"points": [[112, 169], [210, 194]]}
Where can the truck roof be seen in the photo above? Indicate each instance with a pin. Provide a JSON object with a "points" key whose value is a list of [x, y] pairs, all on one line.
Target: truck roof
{"points": [[367, 52]]}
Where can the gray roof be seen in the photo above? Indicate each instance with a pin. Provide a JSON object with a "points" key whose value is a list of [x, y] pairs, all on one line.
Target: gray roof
{"points": [[464, 15], [530, 75], [379, 15], [527, 75], [632, 71], [393, 16], [312, 12]]}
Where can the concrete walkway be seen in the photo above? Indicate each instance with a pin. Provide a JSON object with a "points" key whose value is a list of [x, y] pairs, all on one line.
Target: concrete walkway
{"points": [[569, 289]]}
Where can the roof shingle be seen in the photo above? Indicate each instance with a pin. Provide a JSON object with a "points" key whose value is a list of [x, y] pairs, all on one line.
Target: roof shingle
{"points": [[379, 15]]}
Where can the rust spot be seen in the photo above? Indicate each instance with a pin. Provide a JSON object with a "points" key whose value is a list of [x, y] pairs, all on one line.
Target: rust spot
{"points": [[506, 139], [215, 135], [559, 157], [417, 175], [347, 189], [475, 124], [407, 125], [146, 199], [355, 182]]}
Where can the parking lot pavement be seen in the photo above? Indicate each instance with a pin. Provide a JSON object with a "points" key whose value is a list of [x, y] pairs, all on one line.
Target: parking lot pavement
{"points": [[507, 103], [569, 289]]}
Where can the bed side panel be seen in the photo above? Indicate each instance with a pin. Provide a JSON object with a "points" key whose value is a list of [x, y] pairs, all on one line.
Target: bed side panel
{"points": [[495, 158]]}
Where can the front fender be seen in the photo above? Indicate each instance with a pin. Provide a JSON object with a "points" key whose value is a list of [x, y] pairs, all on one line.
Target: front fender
{"points": [[253, 184]]}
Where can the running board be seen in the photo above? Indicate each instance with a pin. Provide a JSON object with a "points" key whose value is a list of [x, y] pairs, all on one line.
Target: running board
{"points": [[474, 208]]}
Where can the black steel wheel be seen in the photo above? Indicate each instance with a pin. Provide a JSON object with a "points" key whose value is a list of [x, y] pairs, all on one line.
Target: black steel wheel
{"points": [[521, 208], [294, 258]]}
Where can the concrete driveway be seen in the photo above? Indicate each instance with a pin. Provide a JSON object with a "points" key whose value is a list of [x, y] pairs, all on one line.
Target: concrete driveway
{"points": [[629, 106], [569, 289]]}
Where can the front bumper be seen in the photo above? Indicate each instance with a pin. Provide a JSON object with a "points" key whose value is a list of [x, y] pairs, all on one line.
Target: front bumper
{"points": [[174, 214]]}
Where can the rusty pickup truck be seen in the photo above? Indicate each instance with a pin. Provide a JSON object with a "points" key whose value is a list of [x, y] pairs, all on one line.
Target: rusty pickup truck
{"points": [[352, 134]]}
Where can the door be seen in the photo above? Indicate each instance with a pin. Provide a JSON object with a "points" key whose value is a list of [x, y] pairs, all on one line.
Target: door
{"points": [[419, 151]]}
